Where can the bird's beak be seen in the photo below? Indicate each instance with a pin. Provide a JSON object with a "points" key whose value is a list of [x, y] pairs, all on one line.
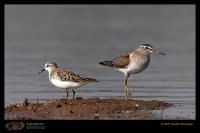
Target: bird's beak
{"points": [[41, 71], [157, 52]]}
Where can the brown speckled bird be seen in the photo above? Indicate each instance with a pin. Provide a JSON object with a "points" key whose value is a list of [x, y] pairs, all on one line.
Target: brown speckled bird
{"points": [[132, 62], [65, 79]]}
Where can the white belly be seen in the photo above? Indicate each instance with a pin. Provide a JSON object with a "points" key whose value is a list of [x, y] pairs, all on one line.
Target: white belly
{"points": [[133, 68], [66, 84]]}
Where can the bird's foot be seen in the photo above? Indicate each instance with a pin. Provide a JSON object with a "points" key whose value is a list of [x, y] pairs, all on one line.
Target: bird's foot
{"points": [[65, 102], [128, 96], [72, 102]]}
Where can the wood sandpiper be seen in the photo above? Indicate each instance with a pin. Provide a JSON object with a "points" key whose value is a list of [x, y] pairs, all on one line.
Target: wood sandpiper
{"points": [[132, 62]]}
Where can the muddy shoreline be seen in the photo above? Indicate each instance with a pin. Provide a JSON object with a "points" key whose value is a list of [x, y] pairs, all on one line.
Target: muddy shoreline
{"points": [[90, 108]]}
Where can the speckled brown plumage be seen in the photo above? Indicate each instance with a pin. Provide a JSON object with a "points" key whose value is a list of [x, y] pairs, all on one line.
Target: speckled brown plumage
{"points": [[65, 79], [65, 75], [120, 61], [123, 60], [132, 62]]}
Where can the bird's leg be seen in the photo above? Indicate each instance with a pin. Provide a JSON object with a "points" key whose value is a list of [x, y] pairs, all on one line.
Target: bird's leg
{"points": [[73, 95], [126, 87], [66, 97]]}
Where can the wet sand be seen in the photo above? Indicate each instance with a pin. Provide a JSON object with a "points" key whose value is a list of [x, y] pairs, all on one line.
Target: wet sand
{"points": [[91, 108]]}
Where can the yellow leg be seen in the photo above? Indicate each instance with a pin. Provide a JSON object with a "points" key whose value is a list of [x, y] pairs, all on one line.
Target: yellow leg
{"points": [[126, 87]]}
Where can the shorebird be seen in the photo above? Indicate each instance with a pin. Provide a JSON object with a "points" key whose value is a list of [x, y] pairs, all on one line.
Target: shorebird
{"points": [[65, 79], [132, 62]]}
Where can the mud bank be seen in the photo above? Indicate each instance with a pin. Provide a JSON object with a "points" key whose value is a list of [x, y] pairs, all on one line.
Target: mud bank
{"points": [[91, 108]]}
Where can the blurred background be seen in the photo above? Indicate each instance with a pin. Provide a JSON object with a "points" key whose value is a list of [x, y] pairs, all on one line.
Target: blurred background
{"points": [[78, 37]]}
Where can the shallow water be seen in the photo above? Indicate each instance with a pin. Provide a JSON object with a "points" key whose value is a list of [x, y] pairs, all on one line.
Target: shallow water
{"points": [[78, 37]]}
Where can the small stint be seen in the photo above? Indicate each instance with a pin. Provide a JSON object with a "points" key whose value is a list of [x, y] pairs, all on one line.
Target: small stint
{"points": [[90, 108], [65, 79]]}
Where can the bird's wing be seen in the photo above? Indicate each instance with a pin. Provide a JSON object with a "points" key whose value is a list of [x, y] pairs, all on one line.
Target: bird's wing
{"points": [[65, 75], [120, 61]]}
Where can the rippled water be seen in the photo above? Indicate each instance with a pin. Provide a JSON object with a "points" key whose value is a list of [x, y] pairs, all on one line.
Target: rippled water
{"points": [[78, 37]]}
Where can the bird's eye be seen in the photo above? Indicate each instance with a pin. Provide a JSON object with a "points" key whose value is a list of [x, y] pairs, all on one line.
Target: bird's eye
{"points": [[146, 48], [47, 65]]}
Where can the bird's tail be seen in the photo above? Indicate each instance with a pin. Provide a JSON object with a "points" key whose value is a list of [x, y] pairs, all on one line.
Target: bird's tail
{"points": [[106, 63], [91, 80]]}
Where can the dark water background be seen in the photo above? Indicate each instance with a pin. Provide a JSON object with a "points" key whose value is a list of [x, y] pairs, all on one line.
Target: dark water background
{"points": [[78, 37]]}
